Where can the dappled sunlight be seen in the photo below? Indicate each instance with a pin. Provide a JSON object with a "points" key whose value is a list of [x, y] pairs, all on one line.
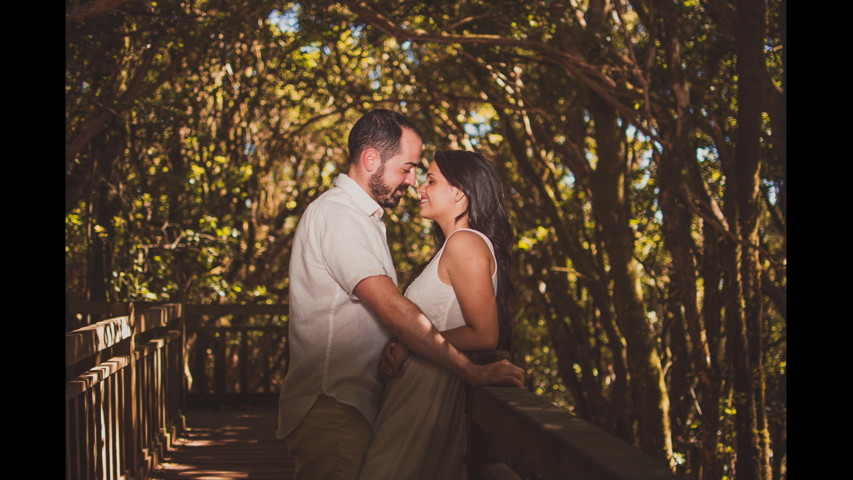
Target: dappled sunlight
{"points": [[227, 445], [642, 152]]}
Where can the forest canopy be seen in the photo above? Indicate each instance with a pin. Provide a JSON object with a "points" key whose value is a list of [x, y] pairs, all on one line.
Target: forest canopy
{"points": [[642, 146]]}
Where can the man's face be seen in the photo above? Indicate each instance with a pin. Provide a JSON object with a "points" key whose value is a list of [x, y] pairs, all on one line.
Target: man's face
{"points": [[397, 174]]}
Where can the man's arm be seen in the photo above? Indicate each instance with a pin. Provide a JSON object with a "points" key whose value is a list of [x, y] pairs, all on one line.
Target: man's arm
{"points": [[413, 328]]}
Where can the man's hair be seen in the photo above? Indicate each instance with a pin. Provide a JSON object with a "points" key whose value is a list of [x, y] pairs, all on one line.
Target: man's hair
{"points": [[380, 129]]}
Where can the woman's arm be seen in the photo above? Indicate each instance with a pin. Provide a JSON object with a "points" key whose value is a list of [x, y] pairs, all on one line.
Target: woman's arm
{"points": [[467, 265], [410, 325]]}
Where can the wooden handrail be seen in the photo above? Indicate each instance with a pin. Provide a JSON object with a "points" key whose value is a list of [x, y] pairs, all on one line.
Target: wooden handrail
{"points": [[236, 362], [126, 404], [514, 434], [221, 310], [511, 427], [88, 341], [125, 391]]}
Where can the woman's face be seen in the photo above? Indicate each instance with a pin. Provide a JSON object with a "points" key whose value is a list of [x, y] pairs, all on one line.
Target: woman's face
{"points": [[439, 199]]}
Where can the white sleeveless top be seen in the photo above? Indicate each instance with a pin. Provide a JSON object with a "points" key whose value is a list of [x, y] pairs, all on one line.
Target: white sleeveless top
{"points": [[420, 430], [436, 298]]}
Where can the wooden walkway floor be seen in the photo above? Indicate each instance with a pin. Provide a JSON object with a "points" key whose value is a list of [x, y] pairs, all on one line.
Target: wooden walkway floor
{"points": [[225, 444]]}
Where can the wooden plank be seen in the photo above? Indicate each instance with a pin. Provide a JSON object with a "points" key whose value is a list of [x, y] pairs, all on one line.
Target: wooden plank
{"points": [[242, 328], [228, 444], [156, 317], [554, 443], [94, 376], [100, 308], [72, 439], [87, 341], [222, 310]]}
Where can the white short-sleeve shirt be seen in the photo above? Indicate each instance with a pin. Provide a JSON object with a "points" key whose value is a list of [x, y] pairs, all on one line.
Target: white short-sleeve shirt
{"points": [[335, 340]]}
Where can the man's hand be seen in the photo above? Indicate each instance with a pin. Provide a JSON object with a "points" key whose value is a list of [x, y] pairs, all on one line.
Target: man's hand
{"points": [[406, 321], [502, 372], [393, 357]]}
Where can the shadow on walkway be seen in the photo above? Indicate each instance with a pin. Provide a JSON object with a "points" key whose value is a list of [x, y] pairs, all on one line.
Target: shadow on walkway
{"points": [[224, 444]]}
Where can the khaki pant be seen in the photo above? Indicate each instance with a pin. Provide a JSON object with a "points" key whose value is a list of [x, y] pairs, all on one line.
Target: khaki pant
{"points": [[330, 442]]}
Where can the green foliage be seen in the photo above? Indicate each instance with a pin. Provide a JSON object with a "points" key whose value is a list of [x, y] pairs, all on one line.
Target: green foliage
{"points": [[197, 134]]}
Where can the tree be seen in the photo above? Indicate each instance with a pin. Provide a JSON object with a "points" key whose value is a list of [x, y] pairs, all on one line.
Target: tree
{"points": [[642, 145]]}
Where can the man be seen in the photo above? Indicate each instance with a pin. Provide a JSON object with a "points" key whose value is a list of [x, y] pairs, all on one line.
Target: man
{"points": [[345, 305]]}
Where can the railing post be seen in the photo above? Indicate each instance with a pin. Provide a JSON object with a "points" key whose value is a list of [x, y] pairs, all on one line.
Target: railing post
{"points": [[125, 390], [199, 371], [220, 350], [482, 462], [266, 359], [244, 360], [131, 408], [98, 415], [185, 375]]}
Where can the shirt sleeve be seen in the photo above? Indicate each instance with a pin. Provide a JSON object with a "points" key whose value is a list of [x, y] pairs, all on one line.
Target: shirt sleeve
{"points": [[353, 247]]}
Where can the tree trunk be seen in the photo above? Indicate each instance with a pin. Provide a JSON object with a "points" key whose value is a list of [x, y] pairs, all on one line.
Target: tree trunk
{"points": [[611, 210], [749, 44], [710, 385], [565, 322], [677, 226], [102, 205]]}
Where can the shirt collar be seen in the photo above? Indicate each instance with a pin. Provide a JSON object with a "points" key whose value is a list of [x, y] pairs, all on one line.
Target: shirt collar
{"points": [[360, 198]]}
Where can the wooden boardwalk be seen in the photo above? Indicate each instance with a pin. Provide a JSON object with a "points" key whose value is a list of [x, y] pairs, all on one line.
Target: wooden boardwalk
{"points": [[126, 387], [224, 444]]}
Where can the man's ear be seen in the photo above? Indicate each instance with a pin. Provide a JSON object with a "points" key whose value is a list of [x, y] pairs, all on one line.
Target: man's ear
{"points": [[370, 160]]}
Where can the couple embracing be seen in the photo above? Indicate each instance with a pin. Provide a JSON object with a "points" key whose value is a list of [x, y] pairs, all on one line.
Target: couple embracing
{"points": [[344, 413]]}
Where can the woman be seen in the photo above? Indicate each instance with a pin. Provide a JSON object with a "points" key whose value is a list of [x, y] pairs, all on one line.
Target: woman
{"points": [[420, 430]]}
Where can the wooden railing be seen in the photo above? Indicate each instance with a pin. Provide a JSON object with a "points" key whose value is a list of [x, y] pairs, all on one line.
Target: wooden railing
{"points": [[127, 389], [236, 353], [514, 434]]}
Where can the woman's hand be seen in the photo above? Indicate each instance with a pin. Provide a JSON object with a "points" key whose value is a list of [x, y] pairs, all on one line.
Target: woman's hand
{"points": [[393, 357]]}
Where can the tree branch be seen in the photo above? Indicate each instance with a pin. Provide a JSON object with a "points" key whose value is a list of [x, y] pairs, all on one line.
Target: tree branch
{"points": [[573, 63], [92, 9]]}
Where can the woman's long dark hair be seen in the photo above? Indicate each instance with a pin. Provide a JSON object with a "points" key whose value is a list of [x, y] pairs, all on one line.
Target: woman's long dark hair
{"points": [[478, 179]]}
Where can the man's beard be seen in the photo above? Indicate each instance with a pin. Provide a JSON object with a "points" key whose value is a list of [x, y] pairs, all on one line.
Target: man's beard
{"points": [[384, 195]]}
